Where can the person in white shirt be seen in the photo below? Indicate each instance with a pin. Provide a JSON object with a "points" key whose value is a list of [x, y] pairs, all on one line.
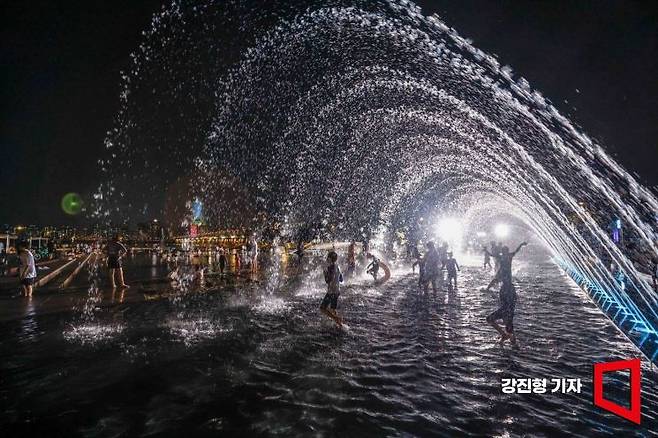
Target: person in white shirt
{"points": [[27, 271]]}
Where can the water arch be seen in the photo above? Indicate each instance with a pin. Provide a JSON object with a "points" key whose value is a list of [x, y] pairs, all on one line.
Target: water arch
{"points": [[344, 116]]}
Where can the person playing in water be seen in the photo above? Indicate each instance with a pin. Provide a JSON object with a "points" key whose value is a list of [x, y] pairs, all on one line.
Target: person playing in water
{"points": [[253, 253], [373, 267], [499, 250], [115, 251], [494, 250], [333, 277], [418, 261], [300, 252], [505, 311], [222, 261], [27, 271], [415, 254], [195, 261], [452, 266], [504, 262], [487, 259], [443, 256], [431, 268], [351, 257]]}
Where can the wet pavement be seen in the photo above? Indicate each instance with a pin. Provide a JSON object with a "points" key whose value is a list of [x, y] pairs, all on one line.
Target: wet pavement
{"points": [[254, 356]]}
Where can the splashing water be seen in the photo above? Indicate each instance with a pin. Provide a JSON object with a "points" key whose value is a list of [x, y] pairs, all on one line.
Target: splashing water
{"points": [[355, 119], [194, 330], [88, 330]]}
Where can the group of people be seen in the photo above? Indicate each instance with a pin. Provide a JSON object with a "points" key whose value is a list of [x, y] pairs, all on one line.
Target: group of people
{"points": [[432, 264], [333, 277]]}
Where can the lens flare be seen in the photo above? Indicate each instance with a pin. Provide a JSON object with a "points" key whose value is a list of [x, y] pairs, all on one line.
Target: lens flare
{"points": [[72, 204]]}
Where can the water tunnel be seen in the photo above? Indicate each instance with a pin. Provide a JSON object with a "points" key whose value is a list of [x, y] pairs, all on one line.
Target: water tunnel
{"points": [[357, 116]]}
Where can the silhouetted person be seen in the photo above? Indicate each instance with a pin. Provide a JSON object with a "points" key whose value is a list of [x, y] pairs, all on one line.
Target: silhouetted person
{"points": [[3, 260], [505, 311], [373, 267], [487, 259], [115, 251], [222, 261], [351, 257], [27, 271], [299, 252], [333, 277], [452, 267], [253, 253], [504, 262], [431, 267]]}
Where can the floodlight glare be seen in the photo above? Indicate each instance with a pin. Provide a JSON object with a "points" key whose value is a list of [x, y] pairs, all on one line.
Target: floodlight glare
{"points": [[501, 230], [450, 230]]}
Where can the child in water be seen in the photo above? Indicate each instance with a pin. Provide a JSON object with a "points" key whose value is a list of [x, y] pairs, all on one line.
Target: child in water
{"points": [[222, 261], [373, 267], [505, 312], [452, 266], [487, 259], [418, 261], [351, 257], [333, 277]]}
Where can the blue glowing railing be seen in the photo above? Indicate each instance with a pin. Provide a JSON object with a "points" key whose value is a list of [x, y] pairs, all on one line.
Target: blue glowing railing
{"points": [[615, 303]]}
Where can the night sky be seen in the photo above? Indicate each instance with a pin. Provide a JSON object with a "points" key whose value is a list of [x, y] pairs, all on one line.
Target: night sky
{"points": [[595, 60]]}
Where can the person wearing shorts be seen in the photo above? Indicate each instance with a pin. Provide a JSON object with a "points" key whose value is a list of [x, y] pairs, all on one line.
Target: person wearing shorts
{"points": [[431, 268], [330, 301], [27, 271], [114, 262], [333, 277], [505, 312], [115, 251], [450, 263]]}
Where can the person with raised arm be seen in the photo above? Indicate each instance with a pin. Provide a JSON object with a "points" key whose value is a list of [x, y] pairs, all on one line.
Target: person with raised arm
{"points": [[507, 295]]}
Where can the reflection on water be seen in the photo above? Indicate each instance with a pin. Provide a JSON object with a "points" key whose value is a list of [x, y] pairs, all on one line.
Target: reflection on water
{"points": [[244, 359]]}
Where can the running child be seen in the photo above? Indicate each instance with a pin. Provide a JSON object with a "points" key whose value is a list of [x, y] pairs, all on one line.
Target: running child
{"points": [[505, 311], [487, 259], [333, 277], [373, 267], [452, 266]]}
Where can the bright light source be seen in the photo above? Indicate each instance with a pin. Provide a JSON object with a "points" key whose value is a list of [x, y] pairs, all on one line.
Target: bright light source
{"points": [[501, 230], [450, 230]]}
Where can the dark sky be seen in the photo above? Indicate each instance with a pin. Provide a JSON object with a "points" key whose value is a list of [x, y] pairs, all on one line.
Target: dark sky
{"points": [[61, 63]]}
